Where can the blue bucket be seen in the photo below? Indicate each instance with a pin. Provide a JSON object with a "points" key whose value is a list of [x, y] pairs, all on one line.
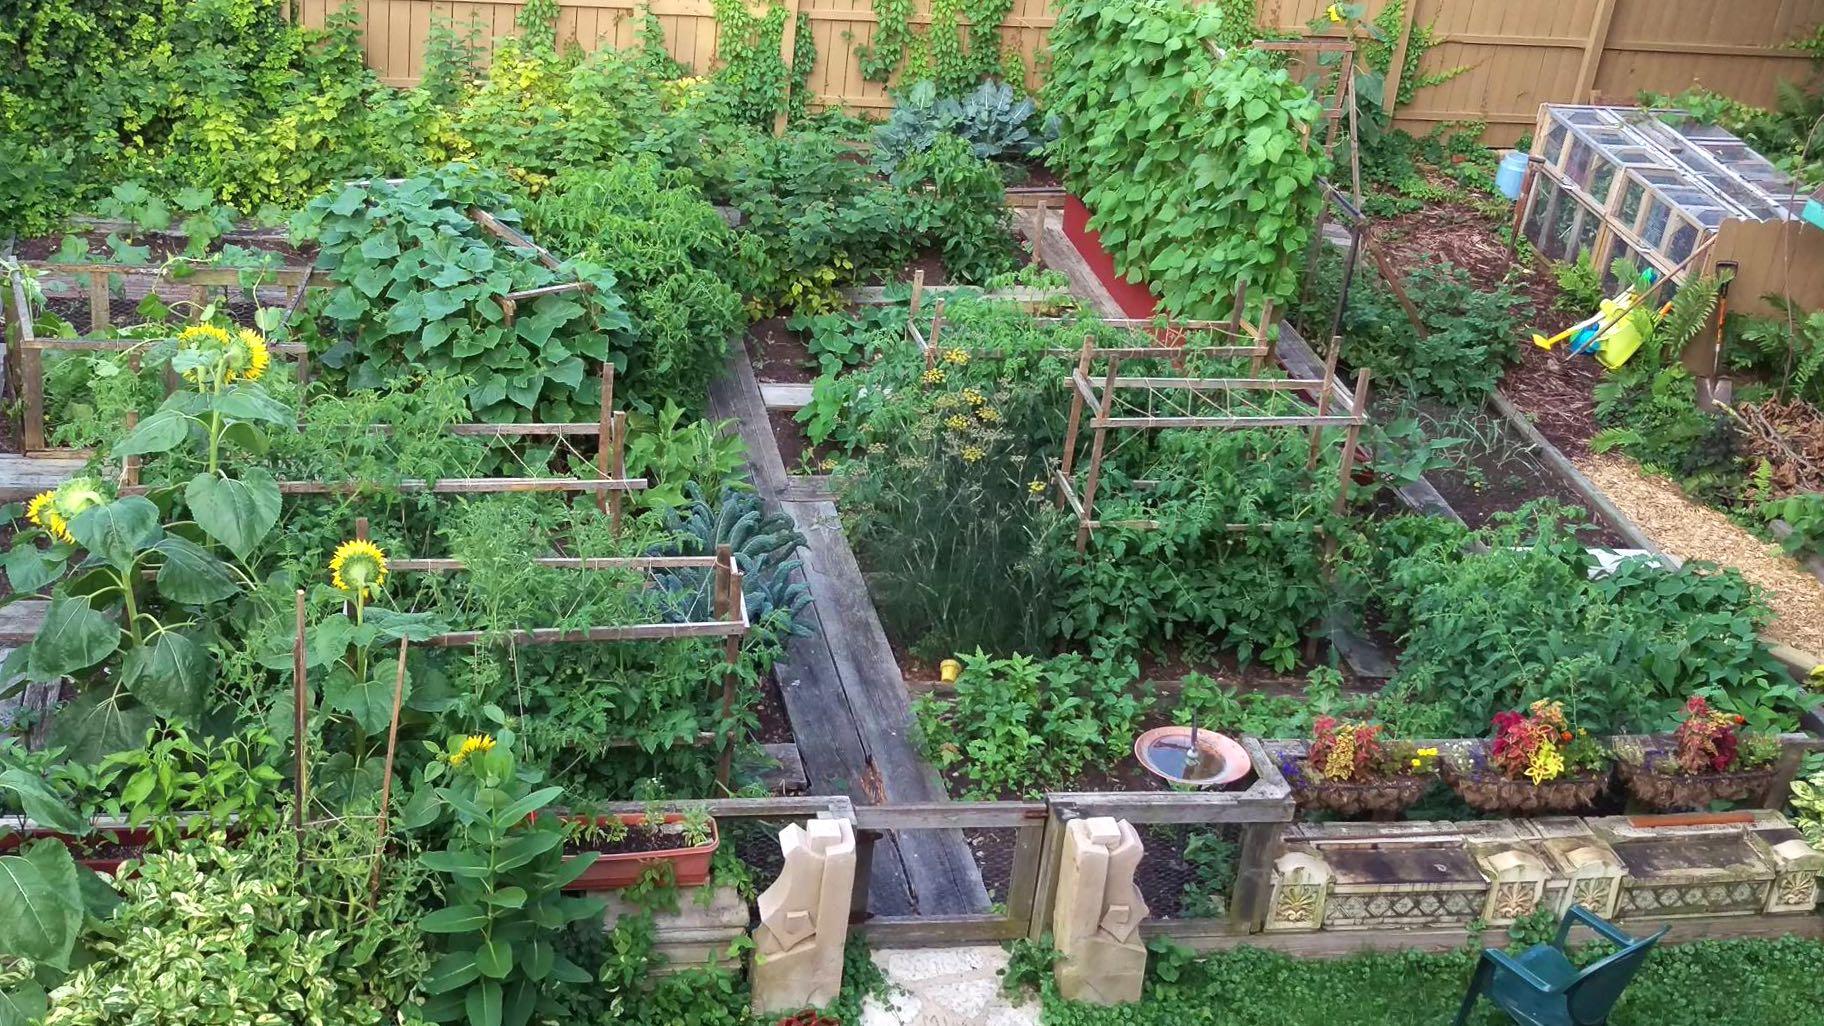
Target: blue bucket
{"points": [[1511, 174]]}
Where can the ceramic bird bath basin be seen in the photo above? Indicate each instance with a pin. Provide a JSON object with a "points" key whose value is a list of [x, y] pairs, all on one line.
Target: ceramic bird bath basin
{"points": [[1192, 757]]}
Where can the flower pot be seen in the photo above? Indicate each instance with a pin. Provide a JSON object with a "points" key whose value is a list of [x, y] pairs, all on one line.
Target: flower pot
{"points": [[1385, 797], [1681, 791], [1487, 791], [1134, 298], [620, 864]]}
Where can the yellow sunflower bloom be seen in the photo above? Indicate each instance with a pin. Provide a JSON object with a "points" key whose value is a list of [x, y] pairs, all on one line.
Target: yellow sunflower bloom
{"points": [[474, 744], [358, 568], [250, 358], [43, 512]]}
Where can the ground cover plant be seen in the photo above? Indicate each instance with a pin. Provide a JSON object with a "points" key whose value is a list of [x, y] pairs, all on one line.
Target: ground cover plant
{"points": [[1680, 985]]}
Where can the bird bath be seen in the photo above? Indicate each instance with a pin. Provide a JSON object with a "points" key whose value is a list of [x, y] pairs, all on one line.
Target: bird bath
{"points": [[1192, 757]]}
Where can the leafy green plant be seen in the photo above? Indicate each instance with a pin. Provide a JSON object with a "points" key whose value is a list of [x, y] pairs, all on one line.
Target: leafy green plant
{"points": [[179, 785], [958, 207], [994, 119], [1804, 514], [419, 285], [1022, 726], [504, 871], [1808, 800], [764, 547], [672, 453], [1191, 158], [671, 254], [1211, 858]]}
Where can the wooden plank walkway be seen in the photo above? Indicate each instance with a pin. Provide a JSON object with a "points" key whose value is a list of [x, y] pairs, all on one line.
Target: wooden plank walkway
{"points": [[22, 478], [842, 687]]}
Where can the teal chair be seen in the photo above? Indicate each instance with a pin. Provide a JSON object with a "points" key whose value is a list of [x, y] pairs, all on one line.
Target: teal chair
{"points": [[1543, 988]]}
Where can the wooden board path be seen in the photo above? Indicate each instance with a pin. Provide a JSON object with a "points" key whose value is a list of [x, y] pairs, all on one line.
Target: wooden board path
{"points": [[22, 478], [842, 687]]}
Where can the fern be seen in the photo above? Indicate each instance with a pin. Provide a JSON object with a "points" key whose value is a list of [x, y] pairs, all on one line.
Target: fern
{"points": [[1615, 438]]}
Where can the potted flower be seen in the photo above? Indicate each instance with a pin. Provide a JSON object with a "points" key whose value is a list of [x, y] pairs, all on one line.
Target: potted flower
{"points": [[1709, 758], [1535, 763], [1351, 771], [630, 844]]}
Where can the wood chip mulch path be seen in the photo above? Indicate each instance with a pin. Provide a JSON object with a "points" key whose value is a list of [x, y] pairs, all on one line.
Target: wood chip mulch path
{"points": [[1689, 530]]}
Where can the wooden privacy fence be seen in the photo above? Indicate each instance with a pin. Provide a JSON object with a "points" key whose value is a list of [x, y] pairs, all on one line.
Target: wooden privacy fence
{"points": [[1515, 55]]}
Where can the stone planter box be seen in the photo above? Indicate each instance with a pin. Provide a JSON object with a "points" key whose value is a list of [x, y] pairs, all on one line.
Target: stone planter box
{"points": [[1465, 769], [1675, 791]]}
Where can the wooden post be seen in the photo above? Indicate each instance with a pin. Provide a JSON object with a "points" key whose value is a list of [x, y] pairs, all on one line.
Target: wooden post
{"points": [[98, 302], [129, 467], [386, 778], [1392, 278], [1240, 304], [1593, 46], [300, 721], [918, 291], [604, 431], [1323, 400], [31, 369], [1254, 876], [1069, 460], [1358, 409], [1268, 333], [618, 466], [1038, 231], [788, 43], [723, 608], [937, 328], [1390, 92], [1523, 206], [1095, 455]]}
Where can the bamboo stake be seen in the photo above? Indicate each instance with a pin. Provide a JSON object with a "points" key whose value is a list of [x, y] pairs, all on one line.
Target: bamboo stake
{"points": [[1323, 400], [937, 327], [725, 588], [386, 778], [1069, 459], [605, 431], [300, 722], [1095, 456]]}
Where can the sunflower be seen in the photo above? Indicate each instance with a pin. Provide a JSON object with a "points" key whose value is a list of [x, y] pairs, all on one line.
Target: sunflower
{"points": [[43, 512], [474, 744], [53, 510], [250, 358], [359, 568], [207, 339]]}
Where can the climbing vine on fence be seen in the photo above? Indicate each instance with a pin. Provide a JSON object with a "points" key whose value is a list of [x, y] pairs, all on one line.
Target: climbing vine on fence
{"points": [[753, 76], [1188, 148], [961, 47]]}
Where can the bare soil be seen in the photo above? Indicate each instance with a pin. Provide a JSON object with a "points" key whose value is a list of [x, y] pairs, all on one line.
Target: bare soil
{"points": [[164, 246], [779, 354]]}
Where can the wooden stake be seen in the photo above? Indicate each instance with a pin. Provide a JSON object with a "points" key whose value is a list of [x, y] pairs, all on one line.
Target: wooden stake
{"points": [[937, 328], [1095, 456], [727, 589], [386, 778], [1069, 460], [604, 438], [1323, 400], [1038, 232], [619, 469], [98, 301], [918, 290], [300, 722]]}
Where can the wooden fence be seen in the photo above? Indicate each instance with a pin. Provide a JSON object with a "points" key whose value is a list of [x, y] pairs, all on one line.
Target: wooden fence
{"points": [[1516, 55]]}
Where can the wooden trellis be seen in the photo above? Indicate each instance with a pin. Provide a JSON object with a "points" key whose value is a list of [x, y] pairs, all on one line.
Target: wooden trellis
{"points": [[1126, 403], [728, 609], [25, 350]]}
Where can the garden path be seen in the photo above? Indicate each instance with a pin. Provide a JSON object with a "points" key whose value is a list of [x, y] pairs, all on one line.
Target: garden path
{"points": [[842, 687], [945, 987]]}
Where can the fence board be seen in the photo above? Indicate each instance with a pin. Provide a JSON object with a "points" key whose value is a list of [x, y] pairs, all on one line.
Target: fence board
{"points": [[1517, 56]]}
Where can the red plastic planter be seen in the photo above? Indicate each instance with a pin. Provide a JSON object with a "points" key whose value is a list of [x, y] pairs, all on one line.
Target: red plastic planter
{"points": [[133, 838], [613, 871], [1135, 299]]}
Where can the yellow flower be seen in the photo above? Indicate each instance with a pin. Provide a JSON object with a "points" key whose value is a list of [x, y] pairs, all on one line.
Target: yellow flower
{"points": [[934, 376], [1036, 487], [973, 454], [474, 744], [1416, 763], [988, 414], [876, 448], [1428, 752], [359, 568], [956, 356], [250, 359], [203, 338], [53, 510], [973, 397], [956, 422], [1335, 14], [826, 465], [945, 402], [44, 513]]}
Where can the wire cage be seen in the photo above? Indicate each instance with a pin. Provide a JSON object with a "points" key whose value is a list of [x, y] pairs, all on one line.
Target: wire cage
{"points": [[1662, 190]]}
